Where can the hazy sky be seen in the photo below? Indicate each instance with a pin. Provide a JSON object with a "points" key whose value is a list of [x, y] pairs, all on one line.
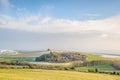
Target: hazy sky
{"points": [[86, 25]]}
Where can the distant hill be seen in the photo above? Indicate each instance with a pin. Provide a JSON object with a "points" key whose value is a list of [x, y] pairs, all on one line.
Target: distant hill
{"points": [[16, 53], [8, 52], [61, 56]]}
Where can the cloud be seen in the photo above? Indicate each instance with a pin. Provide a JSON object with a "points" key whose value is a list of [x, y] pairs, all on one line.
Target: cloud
{"points": [[61, 33], [104, 35], [5, 3], [37, 23]]}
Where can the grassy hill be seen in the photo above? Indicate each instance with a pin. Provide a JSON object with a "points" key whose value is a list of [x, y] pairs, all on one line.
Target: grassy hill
{"points": [[91, 57], [35, 74]]}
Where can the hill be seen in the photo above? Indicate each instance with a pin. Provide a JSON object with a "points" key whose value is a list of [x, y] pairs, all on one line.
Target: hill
{"points": [[61, 56]]}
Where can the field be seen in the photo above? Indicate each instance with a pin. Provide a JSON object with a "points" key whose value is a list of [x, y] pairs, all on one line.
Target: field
{"points": [[91, 57], [35, 74], [28, 59], [106, 67]]}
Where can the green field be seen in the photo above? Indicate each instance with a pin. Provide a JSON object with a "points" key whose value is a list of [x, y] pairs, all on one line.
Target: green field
{"points": [[35, 74], [91, 57], [106, 67], [28, 59]]}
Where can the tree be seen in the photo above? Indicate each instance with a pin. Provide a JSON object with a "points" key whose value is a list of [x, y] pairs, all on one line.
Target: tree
{"points": [[96, 70]]}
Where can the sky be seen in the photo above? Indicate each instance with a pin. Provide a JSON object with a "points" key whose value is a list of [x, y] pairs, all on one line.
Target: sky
{"points": [[85, 25]]}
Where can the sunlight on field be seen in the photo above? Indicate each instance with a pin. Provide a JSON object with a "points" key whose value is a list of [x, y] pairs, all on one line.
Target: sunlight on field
{"points": [[54, 64], [35, 74]]}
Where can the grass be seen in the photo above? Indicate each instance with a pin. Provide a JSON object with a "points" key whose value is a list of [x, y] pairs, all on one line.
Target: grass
{"points": [[91, 57], [102, 67], [35, 74], [106, 67]]}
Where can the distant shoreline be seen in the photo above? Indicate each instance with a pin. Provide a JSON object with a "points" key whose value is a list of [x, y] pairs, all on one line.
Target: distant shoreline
{"points": [[110, 56]]}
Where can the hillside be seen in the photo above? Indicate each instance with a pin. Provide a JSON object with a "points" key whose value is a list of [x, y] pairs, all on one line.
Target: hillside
{"points": [[35, 74]]}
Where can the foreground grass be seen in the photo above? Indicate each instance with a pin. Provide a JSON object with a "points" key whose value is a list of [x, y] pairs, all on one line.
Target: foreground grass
{"points": [[35, 74]]}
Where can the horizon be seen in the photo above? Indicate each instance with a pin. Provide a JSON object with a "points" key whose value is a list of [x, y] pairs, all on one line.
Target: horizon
{"points": [[82, 25]]}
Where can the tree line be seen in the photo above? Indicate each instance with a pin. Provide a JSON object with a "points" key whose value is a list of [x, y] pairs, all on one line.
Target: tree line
{"points": [[91, 63], [60, 57]]}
